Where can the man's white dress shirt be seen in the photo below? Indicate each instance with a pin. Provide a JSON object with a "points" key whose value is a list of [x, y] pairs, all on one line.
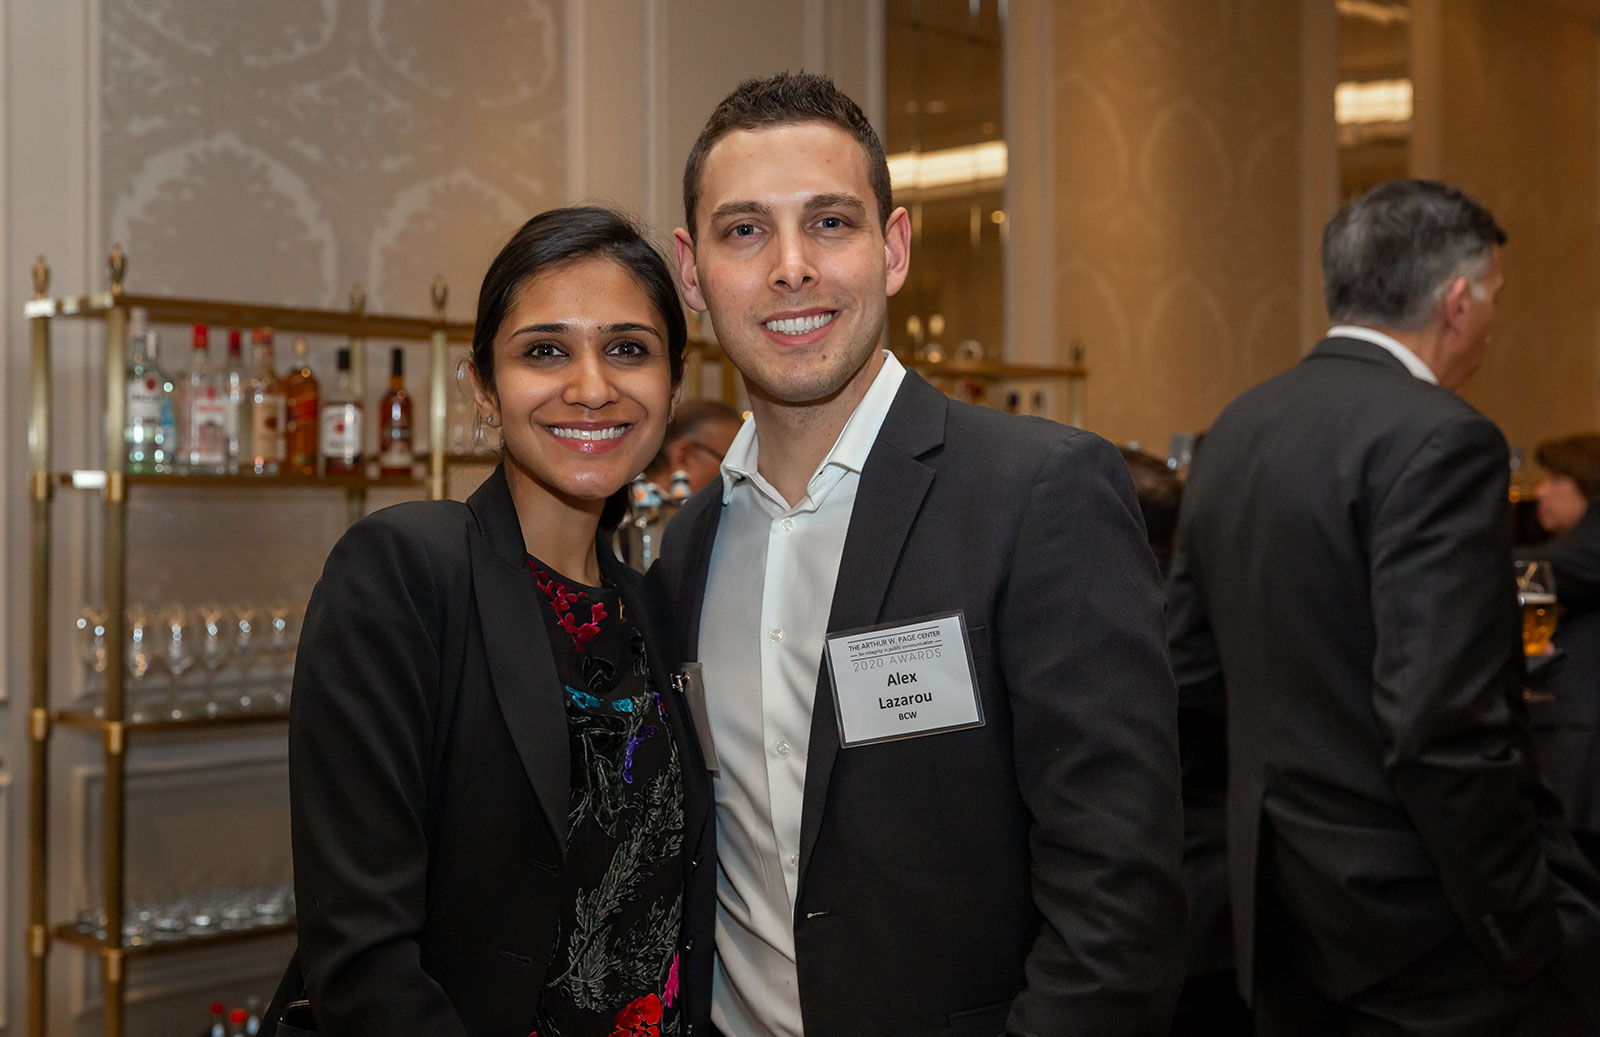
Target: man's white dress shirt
{"points": [[769, 590], [1414, 363]]}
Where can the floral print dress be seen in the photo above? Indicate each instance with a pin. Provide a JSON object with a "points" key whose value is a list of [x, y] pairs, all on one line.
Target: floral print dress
{"points": [[614, 968]]}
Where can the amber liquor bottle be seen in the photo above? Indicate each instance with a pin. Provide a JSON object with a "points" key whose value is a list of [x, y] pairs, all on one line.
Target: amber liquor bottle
{"points": [[394, 421], [302, 397]]}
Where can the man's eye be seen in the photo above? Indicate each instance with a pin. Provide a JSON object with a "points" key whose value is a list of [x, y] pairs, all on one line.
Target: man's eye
{"points": [[831, 223], [743, 230]]}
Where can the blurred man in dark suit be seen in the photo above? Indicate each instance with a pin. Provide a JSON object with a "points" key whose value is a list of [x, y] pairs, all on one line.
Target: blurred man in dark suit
{"points": [[1342, 592]]}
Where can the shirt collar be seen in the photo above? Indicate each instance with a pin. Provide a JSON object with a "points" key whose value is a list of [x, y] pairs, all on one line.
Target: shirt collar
{"points": [[1412, 362], [849, 451]]}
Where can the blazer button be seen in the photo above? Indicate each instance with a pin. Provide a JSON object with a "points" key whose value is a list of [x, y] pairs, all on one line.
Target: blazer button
{"points": [[695, 863], [688, 945]]}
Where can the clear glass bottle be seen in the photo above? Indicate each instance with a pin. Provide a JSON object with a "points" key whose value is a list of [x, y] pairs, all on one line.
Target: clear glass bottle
{"points": [[203, 410], [268, 411], [236, 379], [303, 396], [394, 422], [341, 423], [149, 403]]}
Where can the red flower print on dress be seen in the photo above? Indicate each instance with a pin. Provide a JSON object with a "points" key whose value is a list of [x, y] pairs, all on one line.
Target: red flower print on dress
{"points": [[562, 598], [669, 992], [642, 1018]]}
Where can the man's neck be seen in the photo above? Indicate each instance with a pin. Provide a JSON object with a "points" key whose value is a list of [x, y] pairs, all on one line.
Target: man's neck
{"points": [[1424, 342], [795, 437]]}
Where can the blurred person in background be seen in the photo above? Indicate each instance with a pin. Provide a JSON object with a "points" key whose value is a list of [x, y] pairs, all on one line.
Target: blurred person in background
{"points": [[697, 439], [1565, 705]]}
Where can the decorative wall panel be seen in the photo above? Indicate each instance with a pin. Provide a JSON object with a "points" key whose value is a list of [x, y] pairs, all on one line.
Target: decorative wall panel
{"points": [[1177, 205], [286, 151]]}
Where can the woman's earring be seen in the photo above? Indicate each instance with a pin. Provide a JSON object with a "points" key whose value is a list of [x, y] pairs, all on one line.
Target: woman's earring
{"points": [[489, 419]]}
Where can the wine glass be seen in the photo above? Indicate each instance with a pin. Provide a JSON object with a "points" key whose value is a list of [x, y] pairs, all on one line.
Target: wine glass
{"points": [[214, 650], [245, 645], [140, 657], [178, 651], [281, 644], [1536, 593], [91, 626]]}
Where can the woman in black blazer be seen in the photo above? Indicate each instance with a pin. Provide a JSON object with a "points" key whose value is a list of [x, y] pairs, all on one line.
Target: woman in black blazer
{"points": [[497, 799]]}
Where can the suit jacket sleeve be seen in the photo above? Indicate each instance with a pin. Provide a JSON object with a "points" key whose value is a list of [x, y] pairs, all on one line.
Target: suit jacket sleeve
{"points": [[1446, 668], [360, 739], [1203, 753], [1082, 646]]}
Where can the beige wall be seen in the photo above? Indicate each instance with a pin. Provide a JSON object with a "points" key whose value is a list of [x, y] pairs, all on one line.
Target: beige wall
{"points": [[1177, 205], [1519, 128]]}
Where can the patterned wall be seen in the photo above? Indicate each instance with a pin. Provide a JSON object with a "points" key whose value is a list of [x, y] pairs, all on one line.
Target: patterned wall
{"points": [[283, 152], [1519, 123], [1177, 201]]}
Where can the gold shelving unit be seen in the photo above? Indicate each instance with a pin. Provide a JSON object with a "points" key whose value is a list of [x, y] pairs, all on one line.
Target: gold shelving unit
{"points": [[113, 485]]}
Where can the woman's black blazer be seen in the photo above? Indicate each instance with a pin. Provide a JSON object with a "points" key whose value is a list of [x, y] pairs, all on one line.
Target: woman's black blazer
{"points": [[429, 776]]}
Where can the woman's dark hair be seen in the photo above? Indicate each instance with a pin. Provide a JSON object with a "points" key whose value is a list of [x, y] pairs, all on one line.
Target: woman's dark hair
{"points": [[1577, 458], [560, 236], [553, 239]]}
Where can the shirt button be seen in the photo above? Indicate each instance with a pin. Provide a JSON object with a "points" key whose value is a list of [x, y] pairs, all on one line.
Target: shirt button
{"points": [[776, 634], [788, 524], [781, 747], [794, 858]]}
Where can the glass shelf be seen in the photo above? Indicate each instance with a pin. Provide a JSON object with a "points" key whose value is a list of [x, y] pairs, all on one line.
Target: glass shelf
{"points": [[89, 722], [71, 934]]}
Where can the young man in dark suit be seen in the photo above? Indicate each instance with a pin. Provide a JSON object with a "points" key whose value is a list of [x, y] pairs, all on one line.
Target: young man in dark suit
{"points": [[1342, 591], [931, 637]]}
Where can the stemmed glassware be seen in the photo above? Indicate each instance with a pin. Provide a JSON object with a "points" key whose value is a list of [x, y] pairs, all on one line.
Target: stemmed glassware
{"points": [[140, 657], [92, 648], [244, 648], [214, 650], [281, 645], [178, 652]]}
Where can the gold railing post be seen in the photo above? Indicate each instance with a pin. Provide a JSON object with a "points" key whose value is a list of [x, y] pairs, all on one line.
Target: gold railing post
{"points": [[115, 531], [438, 397], [39, 650]]}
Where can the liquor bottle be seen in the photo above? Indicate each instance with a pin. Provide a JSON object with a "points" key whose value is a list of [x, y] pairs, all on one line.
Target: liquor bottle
{"points": [[147, 389], [268, 411], [301, 395], [252, 1023], [219, 1025], [341, 423], [167, 438], [394, 422], [203, 411], [680, 486], [236, 379], [236, 1021]]}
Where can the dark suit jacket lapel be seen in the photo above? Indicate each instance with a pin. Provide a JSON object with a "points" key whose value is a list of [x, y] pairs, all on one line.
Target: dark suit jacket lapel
{"points": [[893, 484], [521, 666], [698, 522]]}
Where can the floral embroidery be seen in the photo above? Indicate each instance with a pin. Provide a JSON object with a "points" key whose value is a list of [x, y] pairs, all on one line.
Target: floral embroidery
{"points": [[562, 598], [642, 1018], [669, 992]]}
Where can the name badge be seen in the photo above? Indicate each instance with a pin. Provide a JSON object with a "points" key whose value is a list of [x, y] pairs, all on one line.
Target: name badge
{"points": [[903, 680]]}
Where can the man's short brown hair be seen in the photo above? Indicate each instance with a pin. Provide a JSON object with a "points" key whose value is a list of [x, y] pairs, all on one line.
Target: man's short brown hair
{"points": [[781, 100]]}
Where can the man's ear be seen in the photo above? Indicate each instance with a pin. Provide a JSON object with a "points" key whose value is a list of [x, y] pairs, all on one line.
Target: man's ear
{"points": [[896, 249], [1456, 300], [678, 452], [688, 277]]}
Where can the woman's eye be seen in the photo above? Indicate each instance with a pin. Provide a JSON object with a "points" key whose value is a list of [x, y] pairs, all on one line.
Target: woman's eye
{"points": [[628, 347], [543, 350]]}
